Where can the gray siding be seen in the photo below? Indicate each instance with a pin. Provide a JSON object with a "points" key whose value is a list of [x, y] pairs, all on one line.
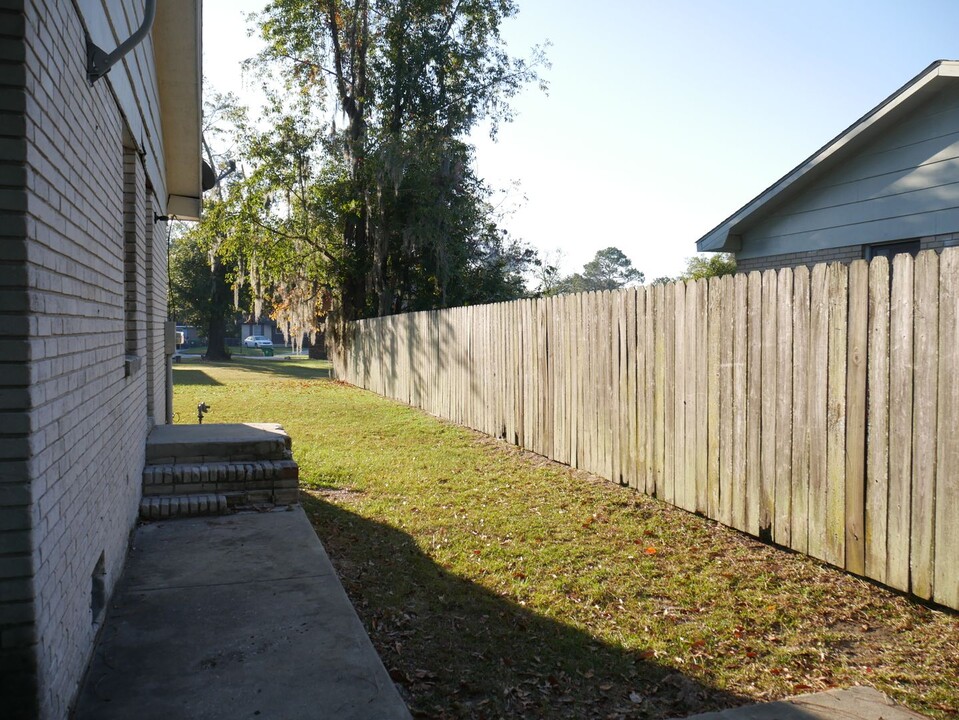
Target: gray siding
{"points": [[904, 185]]}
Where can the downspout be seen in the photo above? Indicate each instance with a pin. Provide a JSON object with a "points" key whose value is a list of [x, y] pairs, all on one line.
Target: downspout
{"points": [[100, 62]]}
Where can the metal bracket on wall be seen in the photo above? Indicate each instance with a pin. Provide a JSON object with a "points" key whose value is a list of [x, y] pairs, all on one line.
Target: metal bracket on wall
{"points": [[99, 62]]}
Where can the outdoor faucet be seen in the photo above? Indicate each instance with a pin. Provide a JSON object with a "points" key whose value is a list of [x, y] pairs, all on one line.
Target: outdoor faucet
{"points": [[201, 409]]}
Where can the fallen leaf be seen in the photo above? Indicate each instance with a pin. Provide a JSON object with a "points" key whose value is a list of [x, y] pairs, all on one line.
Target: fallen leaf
{"points": [[650, 551]]}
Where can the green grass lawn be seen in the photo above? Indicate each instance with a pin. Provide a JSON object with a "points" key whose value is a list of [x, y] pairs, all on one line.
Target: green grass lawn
{"points": [[495, 583]]}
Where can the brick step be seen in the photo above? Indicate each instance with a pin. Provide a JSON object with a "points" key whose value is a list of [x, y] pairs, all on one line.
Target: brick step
{"points": [[161, 508], [255, 482]]}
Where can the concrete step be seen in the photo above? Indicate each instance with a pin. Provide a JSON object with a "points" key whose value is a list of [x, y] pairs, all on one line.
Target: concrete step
{"points": [[232, 442], [254, 482], [161, 508]]}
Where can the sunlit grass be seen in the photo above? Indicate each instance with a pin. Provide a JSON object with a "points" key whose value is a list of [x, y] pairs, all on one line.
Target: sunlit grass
{"points": [[497, 584]]}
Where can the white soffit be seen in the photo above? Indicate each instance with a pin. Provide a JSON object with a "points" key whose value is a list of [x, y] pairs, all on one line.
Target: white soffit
{"points": [[178, 51]]}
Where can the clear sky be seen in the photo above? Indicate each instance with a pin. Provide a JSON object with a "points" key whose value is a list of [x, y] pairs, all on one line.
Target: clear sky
{"points": [[664, 117]]}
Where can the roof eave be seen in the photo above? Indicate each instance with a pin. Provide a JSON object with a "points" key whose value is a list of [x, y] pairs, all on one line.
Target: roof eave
{"points": [[724, 237], [178, 51]]}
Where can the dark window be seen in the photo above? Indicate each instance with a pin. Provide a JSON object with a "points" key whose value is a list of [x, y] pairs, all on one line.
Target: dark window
{"points": [[889, 250]]}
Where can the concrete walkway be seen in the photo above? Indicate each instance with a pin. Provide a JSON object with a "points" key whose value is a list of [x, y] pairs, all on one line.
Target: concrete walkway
{"points": [[855, 703], [240, 616]]}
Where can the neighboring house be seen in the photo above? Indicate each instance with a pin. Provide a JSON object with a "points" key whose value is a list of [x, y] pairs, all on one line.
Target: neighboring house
{"points": [[888, 184], [267, 329], [83, 276]]}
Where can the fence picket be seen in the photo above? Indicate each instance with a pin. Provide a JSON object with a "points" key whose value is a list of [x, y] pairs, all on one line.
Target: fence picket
{"points": [[649, 350], [857, 334], [753, 401], [818, 361], [669, 419], [782, 517], [877, 439], [702, 382], [946, 581], [658, 344], [836, 416], [767, 505], [799, 502], [679, 396], [726, 439], [714, 307], [691, 363], [925, 391], [740, 343], [900, 421]]}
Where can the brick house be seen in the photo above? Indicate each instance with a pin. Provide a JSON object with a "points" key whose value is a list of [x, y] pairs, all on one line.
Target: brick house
{"points": [[887, 184], [84, 167]]}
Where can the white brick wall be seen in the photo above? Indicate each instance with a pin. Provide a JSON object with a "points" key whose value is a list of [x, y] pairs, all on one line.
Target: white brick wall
{"points": [[73, 424]]}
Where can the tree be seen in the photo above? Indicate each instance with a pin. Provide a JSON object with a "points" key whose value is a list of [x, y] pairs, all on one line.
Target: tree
{"points": [[608, 270], [707, 266], [199, 286], [412, 223]]}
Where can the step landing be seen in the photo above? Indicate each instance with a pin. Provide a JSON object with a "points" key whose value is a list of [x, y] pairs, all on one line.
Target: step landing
{"points": [[215, 442]]}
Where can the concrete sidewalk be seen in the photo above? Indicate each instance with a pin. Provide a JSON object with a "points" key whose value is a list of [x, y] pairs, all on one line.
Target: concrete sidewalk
{"points": [[233, 617], [855, 703]]}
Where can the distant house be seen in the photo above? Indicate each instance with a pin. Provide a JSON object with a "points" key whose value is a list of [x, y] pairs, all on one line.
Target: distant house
{"points": [[888, 184], [85, 166]]}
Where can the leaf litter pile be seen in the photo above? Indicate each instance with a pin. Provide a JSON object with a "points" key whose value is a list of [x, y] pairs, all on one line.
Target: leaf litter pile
{"points": [[495, 583]]}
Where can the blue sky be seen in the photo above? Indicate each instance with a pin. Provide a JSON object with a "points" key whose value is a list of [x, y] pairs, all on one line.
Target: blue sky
{"points": [[663, 117]]}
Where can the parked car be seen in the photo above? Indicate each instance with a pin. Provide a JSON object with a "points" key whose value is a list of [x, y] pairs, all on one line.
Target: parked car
{"points": [[257, 341]]}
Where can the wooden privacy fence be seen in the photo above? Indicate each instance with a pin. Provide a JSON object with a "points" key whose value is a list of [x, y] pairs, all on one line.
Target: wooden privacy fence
{"points": [[817, 409]]}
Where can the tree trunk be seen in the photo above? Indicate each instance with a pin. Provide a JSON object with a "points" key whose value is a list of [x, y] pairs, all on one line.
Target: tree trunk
{"points": [[219, 306]]}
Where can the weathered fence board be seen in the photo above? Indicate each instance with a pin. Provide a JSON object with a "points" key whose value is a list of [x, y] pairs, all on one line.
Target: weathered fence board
{"points": [[900, 422], [767, 445], [754, 399], [726, 436], [818, 409], [946, 583], [799, 501], [857, 335], [782, 515], [877, 426], [925, 387], [818, 401], [712, 400], [836, 416], [740, 341]]}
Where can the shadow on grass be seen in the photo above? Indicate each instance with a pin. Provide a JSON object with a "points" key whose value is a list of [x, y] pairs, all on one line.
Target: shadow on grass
{"points": [[279, 368], [459, 650], [182, 376]]}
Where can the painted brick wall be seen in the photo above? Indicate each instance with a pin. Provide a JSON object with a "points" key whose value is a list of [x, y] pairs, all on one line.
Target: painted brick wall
{"points": [[939, 242], [840, 254], [73, 421], [17, 629]]}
